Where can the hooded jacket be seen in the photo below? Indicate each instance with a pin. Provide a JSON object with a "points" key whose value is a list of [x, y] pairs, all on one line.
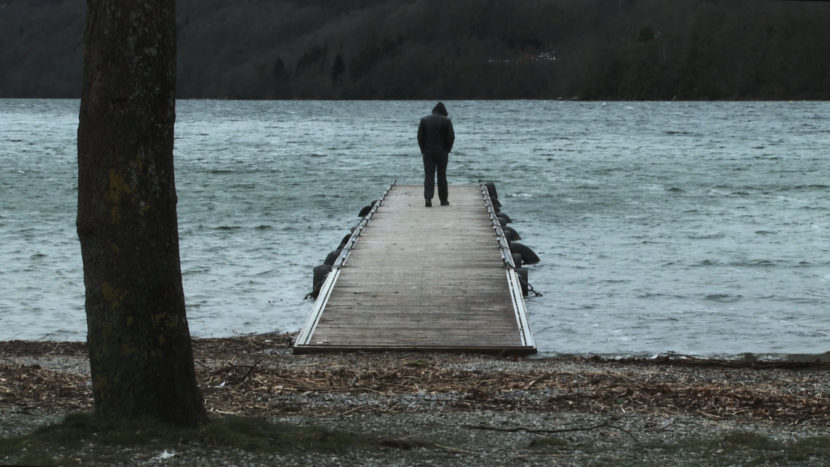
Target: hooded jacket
{"points": [[435, 132]]}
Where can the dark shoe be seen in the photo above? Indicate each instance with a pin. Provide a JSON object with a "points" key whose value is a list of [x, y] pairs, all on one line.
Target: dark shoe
{"points": [[445, 203], [429, 203]]}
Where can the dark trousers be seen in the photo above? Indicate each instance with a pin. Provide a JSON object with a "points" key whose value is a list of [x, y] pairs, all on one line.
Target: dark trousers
{"points": [[433, 161]]}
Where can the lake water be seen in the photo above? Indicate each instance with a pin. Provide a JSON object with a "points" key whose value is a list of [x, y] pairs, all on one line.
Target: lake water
{"points": [[692, 227]]}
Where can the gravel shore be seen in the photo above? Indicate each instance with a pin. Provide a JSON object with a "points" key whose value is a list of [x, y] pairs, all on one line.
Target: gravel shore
{"points": [[450, 409]]}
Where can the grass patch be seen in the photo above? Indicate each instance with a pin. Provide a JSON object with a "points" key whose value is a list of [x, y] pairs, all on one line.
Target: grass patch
{"points": [[809, 448], [84, 438], [741, 447], [750, 441], [549, 444]]}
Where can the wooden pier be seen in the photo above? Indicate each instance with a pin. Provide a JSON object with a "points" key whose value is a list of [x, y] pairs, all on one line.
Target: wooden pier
{"points": [[417, 278]]}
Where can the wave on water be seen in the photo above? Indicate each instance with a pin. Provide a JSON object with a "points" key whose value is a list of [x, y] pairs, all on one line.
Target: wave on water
{"points": [[724, 298], [662, 227]]}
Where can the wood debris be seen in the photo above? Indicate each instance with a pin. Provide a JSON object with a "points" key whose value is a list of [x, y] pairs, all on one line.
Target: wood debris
{"points": [[256, 376]]}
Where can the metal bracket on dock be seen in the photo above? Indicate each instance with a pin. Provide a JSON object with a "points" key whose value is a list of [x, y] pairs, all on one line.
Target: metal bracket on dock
{"points": [[506, 256], [513, 282]]}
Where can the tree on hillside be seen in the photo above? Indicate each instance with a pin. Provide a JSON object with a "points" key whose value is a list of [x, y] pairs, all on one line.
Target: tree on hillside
{"points": [[603, 49], [139, 342]]}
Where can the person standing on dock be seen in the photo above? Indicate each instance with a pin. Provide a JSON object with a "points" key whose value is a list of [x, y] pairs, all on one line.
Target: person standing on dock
{"points": [[435, 138]]}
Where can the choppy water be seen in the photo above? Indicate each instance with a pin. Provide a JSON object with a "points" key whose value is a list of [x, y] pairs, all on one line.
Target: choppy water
{"points": [[698, 228]]}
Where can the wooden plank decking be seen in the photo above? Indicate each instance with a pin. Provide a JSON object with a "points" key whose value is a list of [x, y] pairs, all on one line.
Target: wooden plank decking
{"points": [[419, 278]]}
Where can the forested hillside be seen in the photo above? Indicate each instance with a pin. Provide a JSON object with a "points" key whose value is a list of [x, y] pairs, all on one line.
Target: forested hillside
{"points": [[585, 49]]}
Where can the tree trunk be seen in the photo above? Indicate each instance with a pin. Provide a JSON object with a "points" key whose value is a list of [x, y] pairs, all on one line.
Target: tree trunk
{"points": [[139, 342]]}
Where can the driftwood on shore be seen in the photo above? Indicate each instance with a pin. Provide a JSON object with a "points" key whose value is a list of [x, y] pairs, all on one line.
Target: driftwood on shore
{"points": [[257, 375]]}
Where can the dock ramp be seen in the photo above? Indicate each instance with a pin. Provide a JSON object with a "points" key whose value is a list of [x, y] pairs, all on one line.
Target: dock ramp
{"points": [[417, 278]]}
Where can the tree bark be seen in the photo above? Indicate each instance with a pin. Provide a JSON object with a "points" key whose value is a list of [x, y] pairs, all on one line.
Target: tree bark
{"points": [[139, 342]]}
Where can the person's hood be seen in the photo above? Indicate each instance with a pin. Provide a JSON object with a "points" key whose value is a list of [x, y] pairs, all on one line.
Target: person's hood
{"points": [[440, 109]]}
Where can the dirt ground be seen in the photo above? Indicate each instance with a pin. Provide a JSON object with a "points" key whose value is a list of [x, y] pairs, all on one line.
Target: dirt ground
{"points": [[258, 375]]}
